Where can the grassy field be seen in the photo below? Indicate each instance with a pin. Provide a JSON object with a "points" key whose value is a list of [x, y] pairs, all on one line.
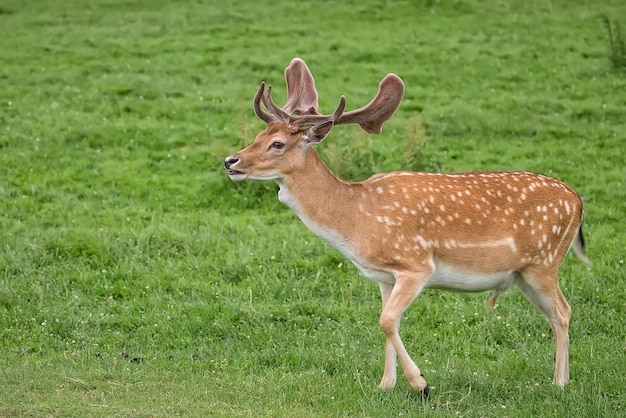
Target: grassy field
{"points": [[137, 280]]}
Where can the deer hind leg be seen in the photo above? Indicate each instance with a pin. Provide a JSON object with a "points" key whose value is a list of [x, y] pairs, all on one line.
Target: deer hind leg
{"points": [[399, 297], [389, 375], [542, 290]]}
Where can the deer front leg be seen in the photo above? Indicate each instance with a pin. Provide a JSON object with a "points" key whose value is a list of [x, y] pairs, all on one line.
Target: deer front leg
{"points": [[389, 375], [407, 287]]}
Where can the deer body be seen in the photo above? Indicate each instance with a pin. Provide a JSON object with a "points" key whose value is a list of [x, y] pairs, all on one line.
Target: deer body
{"points": [[410, 231]]}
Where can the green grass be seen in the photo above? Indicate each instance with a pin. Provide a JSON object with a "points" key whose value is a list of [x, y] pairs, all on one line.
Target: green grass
{"points": [[137, 280]]}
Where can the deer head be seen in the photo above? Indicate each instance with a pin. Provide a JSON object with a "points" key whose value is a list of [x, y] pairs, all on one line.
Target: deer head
{"points": [[292, 128]]}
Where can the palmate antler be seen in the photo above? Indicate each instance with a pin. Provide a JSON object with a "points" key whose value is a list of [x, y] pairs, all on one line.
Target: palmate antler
{"points": [[301, 108]]}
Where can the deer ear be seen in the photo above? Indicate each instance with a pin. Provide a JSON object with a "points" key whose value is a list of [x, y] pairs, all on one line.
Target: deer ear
{"points": [[316, 134]]}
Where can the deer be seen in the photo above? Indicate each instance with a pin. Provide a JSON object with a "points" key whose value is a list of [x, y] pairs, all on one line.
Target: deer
{"points": [[411, 231]]}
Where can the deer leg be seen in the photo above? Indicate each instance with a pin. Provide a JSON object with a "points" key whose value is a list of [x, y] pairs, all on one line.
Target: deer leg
{"points": [[550, 301], [405, 290], [389, 375]]}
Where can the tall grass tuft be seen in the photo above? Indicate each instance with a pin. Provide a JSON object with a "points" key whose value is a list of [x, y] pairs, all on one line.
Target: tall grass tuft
{"points": [[617, 44], [413, 144], [354, 157], [359, 155]]}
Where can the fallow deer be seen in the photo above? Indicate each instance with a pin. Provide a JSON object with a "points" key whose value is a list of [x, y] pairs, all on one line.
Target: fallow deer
{"points": [[410, 231]]}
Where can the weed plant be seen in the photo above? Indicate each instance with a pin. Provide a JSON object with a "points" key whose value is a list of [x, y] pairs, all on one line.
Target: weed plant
{"points": [[617, 44]]}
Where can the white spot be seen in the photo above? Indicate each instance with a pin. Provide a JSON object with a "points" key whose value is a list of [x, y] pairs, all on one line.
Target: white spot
{"points": [[364, 211], [379, 190], [425, 243], [567, 208], [450, 244]]}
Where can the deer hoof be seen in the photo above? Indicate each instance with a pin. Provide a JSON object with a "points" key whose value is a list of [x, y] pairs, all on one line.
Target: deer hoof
{"points": [[426, 391]]}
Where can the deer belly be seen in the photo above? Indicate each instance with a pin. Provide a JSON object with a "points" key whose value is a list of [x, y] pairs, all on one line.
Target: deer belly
{"points": [[374, 274], [454, 279]]}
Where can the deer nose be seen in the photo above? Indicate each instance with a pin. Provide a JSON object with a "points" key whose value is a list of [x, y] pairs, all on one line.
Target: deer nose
{"points": [[230, 161]]}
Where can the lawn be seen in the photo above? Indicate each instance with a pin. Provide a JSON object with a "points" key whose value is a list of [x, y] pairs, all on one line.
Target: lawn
{"points": [[137, 280]]}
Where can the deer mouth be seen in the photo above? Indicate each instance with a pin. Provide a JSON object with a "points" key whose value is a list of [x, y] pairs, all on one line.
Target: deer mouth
{"points": [[236, 175]]}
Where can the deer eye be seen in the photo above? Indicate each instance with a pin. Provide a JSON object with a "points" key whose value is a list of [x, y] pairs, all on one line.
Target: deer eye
{"points": [[277, 145]]}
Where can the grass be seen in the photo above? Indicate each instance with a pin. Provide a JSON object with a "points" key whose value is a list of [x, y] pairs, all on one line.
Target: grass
{"points": [[137, 280]]}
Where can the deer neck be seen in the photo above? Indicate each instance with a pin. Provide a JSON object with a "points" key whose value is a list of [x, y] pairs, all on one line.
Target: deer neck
{"points": [[319, 198]]}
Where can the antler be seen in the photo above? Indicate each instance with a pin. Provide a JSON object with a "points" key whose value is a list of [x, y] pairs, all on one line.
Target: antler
{"points": [[372, 116], [300, 110], [301, 91], [301, 95], [274, 113], [263, 115]]}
